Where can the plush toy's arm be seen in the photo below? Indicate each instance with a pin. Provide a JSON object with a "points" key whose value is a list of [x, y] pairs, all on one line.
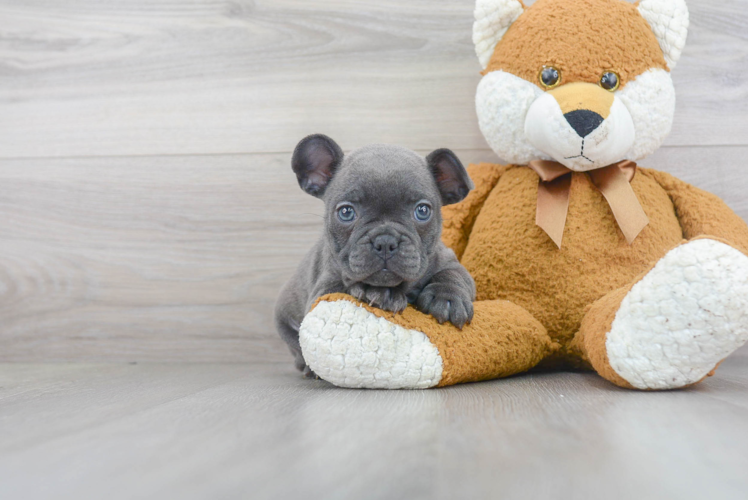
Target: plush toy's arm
{"points": [[701, 213], [460, 217]]}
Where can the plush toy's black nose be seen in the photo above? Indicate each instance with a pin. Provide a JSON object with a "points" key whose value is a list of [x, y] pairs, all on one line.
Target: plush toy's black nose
{"points": [[583, 121], [385, 245]]}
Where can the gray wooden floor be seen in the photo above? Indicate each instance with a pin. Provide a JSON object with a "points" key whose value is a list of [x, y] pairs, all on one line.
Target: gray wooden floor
{"points": [[210, 431]]}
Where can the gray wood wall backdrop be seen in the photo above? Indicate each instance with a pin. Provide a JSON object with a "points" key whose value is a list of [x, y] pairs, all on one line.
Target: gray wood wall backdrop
{"points": [[147, 207]]}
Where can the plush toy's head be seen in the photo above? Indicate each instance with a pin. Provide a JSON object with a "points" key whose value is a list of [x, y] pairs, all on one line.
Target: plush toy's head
{"points": [[582, 82]]}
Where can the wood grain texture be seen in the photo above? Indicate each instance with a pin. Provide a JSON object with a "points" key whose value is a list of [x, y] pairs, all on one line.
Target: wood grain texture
{"points": [[112, 77], [181, 258], [132, 230], [260, 431], [149, 258], [122, 257]]}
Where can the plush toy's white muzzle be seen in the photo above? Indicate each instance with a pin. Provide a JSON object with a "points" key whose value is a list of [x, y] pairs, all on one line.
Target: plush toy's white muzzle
{"points": [[521, 122], [580, 128]]}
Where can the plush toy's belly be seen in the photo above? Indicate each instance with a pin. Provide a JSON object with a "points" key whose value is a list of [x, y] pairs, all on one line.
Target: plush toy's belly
{"points": [[513, 259]]}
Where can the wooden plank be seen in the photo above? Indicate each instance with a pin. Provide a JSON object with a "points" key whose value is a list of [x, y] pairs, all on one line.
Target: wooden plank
{"points": [[181, 258], [219, 76], [117, 258], [149, 258], [233, 431]]}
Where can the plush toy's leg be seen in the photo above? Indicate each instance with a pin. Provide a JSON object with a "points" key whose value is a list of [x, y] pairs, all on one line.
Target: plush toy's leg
{"points": [[350, 344], [675, 324]]}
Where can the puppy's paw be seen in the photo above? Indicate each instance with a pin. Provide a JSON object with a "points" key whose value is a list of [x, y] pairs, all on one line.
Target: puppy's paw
{"points": [[358, 290], [309, 373], [388, 299], [301, 365], [446, 303]]}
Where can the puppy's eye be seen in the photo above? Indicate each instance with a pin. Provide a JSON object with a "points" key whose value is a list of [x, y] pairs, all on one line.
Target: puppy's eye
{"points": [[610, 81], [346, 213], [423, 212], [549, 77]]}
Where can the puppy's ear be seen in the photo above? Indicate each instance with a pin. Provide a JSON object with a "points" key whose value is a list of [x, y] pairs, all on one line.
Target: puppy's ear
{"points": [[315, 160], [451, 177]]}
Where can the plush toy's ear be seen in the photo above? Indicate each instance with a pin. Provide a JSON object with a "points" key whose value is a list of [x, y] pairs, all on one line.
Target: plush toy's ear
{"points": [[669, 21], [315, 160], [451, 177], [492, 19]]}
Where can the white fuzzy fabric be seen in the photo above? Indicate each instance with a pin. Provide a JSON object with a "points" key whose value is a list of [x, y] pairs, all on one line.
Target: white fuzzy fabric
{"points": [[547, 129], [682, 318], [521, 122], [350, 347], [669, 22], [502, 102], [650, 99], [492, 19]]}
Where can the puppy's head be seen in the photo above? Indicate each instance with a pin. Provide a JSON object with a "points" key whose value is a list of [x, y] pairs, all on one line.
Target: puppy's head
{"points": [[382, 205]]}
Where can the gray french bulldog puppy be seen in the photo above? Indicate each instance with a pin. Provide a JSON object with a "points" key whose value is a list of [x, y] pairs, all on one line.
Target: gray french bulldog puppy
{"points": [[382, 234]]}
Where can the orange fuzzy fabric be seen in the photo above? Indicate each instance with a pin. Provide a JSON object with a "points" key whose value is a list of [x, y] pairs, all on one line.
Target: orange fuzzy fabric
{"points": [[459, 218], [512, 259], [615, 38], [538, 305], [703, 213], [503, 339], [589, 342]]}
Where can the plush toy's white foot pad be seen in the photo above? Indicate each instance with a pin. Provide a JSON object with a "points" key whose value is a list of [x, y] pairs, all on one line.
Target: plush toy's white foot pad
{"points": [[685, 316], [350, 347]]}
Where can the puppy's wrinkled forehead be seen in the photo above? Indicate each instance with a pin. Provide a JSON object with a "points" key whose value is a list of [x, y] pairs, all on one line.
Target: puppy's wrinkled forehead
{"points": [[384, 173]]}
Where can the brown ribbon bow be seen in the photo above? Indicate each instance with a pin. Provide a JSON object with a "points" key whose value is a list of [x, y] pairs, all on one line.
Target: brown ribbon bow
{"points": [[613, 181]]}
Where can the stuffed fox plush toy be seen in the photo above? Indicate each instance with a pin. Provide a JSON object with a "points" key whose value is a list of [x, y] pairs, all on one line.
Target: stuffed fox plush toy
{"points": [[580, 259]]}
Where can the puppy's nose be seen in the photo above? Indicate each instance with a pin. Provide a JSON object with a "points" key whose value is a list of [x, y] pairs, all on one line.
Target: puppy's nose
{"points": [[385, 245], [583, 121]]}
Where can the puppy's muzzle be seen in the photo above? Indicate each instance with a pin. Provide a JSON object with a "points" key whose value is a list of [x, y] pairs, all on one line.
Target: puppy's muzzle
{"points": [[385, 257]]}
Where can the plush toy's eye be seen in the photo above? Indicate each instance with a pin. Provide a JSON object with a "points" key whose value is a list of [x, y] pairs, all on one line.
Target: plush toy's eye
{"points": [[549, 77], [610, 81], [423, 212], [346, 213]]}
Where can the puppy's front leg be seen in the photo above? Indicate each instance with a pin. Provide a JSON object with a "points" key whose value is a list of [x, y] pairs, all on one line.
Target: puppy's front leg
{"points": [[389, 299], [449, 297]]}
